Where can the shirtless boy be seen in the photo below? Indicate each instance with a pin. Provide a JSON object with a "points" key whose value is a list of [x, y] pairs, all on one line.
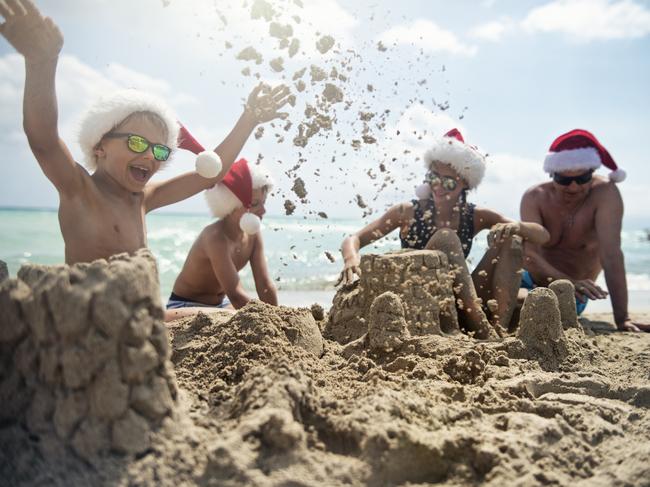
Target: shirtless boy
{"points": [[210, 276], [125, 139], [583, 214]]}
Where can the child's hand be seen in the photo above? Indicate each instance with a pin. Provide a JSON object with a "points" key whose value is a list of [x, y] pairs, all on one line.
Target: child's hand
{"points": [[32, 35], [263, 102]]}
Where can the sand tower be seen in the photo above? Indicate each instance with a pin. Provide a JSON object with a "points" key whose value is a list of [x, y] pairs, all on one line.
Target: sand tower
{"points": [[84, 355]]}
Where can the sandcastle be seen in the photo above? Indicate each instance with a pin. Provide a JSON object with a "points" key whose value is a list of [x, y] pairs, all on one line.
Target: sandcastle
{"points": [[421, 281], [545, 315], [85, 355], [565, 293]]}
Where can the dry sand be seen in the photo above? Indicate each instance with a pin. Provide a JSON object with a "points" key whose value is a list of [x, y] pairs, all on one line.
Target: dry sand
{"points": [[263, 399]]}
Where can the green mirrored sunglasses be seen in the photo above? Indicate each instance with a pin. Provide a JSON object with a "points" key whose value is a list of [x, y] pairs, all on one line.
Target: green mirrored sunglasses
{"points": [[139, 144]]}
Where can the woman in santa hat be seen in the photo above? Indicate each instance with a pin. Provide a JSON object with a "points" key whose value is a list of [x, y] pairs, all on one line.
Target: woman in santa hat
{"points": [[442, 219], [210, 276]]}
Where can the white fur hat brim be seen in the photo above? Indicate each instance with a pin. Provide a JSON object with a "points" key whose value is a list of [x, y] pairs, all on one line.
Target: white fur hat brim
{"points": [[109, 111], [469, 163], [572, 160], [222, 202]]}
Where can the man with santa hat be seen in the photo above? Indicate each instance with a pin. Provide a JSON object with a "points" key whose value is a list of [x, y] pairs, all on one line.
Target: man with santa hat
{"points": [[583, 213]]}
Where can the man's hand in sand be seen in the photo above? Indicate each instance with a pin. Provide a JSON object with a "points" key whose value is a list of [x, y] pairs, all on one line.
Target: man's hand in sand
{"points": [[501, 231], [635, 326], [32, 35], [350, 273], [265, 102], [586, 288]]}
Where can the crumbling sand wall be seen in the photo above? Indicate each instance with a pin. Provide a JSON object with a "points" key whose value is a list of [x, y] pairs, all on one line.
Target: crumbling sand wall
{"points": [[4, 272], [420, 278], [85, 354]]}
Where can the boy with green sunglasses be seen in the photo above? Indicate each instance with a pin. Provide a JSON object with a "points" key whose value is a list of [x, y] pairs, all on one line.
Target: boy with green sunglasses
{"points": [[138, 144], [125, 138]]}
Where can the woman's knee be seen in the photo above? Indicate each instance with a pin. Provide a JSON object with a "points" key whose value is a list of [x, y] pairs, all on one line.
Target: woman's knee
{"points": [[447, 241]]}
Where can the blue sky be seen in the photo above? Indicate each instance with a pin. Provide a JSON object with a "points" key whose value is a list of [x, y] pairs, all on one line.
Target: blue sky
{"points": [[514, 74]]}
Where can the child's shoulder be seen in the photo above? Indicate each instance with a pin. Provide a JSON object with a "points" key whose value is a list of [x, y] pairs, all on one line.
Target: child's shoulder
{"points": [[214, 230]]}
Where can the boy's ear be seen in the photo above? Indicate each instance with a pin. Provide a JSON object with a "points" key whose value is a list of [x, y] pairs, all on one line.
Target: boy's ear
{"points": [[99, 150]]}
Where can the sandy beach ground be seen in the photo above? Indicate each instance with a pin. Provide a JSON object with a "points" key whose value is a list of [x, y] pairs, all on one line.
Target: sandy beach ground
{"points": [[264, 398]]}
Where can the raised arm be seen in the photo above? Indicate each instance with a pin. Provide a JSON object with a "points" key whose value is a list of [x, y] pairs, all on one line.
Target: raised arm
{"points": [[375, 230], [39, 40], [263, 284], [263, 105]]}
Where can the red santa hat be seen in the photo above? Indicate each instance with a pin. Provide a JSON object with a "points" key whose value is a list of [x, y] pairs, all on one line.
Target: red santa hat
{"points": [[235, 191], [452, 150], [579, 149], [208, 163], [108, 112]]}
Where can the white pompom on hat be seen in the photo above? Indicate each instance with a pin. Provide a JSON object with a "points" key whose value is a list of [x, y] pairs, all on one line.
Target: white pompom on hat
{"points": [[465, 159], [423, 191], [579, 149], [236, 191], [208, 163], [108, 112]]}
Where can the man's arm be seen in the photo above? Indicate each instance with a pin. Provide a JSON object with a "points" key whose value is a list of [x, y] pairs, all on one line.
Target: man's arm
{"points": [[502, 227], [263, 105], [609, 219], [263, 284], [226, 272], [39, 40]]}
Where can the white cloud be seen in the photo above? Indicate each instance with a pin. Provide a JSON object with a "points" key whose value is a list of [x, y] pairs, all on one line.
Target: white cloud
{"points": [[428, 36], [507, 177], [588, 20], [78, 84], [492, 31]]}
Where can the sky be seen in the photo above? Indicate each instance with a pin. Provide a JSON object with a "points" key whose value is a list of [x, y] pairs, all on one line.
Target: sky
{"points": [[510, 74]]}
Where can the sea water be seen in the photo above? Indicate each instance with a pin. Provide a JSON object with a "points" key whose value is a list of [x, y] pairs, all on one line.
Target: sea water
{"points": [[295, 249]]}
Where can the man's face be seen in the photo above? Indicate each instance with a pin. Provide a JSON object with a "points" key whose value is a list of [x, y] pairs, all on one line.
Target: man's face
{"points": [[577, 188], [130, 169]]}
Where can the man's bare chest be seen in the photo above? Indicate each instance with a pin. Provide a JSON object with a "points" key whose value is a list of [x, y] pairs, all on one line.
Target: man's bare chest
{"points": [[570, 227]]}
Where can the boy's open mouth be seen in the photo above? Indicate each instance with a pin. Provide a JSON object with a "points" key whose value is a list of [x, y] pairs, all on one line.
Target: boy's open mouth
{"points": [[139, 173]]}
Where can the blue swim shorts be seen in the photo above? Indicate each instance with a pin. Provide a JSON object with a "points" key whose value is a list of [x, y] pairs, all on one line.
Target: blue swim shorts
{"points": [[175, 302], [527, 283]]}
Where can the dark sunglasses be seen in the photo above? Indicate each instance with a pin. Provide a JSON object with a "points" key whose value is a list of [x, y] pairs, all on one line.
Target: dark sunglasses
{"points": [[448, 183], [583, 178], [139, 144]]}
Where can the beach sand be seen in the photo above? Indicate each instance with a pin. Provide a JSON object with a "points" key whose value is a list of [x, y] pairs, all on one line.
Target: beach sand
{"points": [[261, 398]]}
